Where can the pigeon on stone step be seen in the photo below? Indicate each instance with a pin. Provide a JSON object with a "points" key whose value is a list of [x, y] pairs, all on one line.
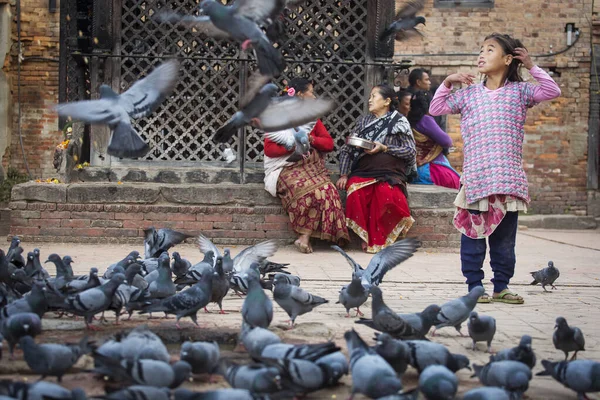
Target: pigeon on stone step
{"points": [[257, 309], [487, 393], [356, 293], [582, 376], [255, 340], [93, 301], [40, 390], [546, 276], [513, 376], [218, 394], [395, 352], [179, 266], [140, 392], [116, 110], [437, 382], [372, 376], [424, 320], [202, 356], [294, 300], [457, 311], [51, 359], [185, 303], [158, 241], [142, 343], [568, 338], [144, 372], [482, 328], [384, 319], [523, 353], [15, 327], [424, 353]]}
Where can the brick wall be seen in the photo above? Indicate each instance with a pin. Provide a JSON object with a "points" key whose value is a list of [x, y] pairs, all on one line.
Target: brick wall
{"points": [[555, 149], [39, 88]]}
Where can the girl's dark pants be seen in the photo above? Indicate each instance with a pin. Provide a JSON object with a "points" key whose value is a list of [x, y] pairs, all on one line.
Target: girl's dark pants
{"points": [[502, 254]]}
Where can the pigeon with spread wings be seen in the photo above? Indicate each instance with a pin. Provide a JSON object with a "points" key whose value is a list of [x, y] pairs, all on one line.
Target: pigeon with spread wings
{"points": [[271, 114], [293, 139], [116, 111], [405, 22]]}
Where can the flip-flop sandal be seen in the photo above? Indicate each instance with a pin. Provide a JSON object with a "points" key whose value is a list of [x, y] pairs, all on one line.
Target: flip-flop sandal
{"points": [[484, 298], [501, 297]]}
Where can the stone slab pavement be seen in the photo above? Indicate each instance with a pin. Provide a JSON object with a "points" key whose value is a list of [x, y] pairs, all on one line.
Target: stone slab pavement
{"points": [[424, 279]]}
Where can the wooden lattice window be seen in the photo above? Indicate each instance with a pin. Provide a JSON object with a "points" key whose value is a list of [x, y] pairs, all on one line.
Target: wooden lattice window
{"points": [[328, 38]]}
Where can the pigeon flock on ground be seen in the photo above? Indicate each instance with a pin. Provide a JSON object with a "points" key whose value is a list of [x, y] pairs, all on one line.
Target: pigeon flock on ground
{"points": [[137, 364]]}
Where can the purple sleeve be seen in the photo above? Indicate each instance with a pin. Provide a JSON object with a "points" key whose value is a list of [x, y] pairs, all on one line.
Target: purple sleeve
{"points": [[428, 127]]}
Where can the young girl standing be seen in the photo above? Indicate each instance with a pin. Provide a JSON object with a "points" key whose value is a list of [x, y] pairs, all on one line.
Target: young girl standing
{"points": [[494, 185]]}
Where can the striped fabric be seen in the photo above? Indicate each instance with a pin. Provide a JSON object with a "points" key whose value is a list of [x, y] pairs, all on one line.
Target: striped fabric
{"points": [[492, 130]]}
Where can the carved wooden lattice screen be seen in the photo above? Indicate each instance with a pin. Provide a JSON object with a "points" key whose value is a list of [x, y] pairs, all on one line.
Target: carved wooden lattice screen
{"points": [[326, 38]]}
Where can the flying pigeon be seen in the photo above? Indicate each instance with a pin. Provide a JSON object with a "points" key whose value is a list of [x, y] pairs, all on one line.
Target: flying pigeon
{"points": [[293, 139], [116, 110], [405, 21], [546, 276], [158, 241], [269, 113], [568, 338]]}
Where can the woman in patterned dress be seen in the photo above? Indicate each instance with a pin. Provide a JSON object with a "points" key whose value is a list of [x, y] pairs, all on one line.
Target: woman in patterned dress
{"points": [[305, 188], [375, 180]]}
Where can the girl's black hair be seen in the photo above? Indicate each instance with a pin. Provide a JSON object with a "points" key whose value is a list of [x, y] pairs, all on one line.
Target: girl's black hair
{"points": [[403, 93], [419, 106], [509, 45], [388, 92], [300, 84]]}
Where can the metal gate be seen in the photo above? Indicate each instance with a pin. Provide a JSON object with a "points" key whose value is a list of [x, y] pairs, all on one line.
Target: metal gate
{"points": [[329, 41]]}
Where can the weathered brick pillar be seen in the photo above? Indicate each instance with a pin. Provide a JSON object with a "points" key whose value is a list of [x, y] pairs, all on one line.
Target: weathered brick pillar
{"points": [[5, 103]]}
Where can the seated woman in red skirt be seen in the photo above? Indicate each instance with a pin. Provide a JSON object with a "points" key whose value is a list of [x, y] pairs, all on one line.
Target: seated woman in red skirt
{"points": [[375, 180], [305, 188]]}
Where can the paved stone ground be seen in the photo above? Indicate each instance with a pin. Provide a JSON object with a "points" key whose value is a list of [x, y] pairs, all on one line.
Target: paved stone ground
{"points": [[424, 279]]}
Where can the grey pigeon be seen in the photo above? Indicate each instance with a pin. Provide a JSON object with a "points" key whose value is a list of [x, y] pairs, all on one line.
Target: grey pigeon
{"points": [[112, 348], [568, 338], [79, 285], [513, 376], [142, 343], [437, 382], [356, 293], [158, 241], [52, 359], [523, 353], [271, 114], [15, 327], [218, 394], [180, 265], [194, 273], [293, 139], [34, 301], [384, 319], [395, 352], [482, 328], [269, 267], [163, 286], [144, 372], [309, 352], [131, 258], [202, 356], [335, 365], [257, 309], [220, 285], [546, 276], [255, 340], [372, 376], [405, 21], [257, 378], [582, 376], [424, 320], [116, 111], [487, 393], [93, 301], [186, 303], [294, 300], [244, 259], [140, 392], [33, 267], [455, 312], [424, 353], [63, 270], [125, 294], [40, 390], [300, 376]]}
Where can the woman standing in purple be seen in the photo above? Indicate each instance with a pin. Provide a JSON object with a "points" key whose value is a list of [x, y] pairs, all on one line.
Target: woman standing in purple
{"points": [[494, 186]]}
